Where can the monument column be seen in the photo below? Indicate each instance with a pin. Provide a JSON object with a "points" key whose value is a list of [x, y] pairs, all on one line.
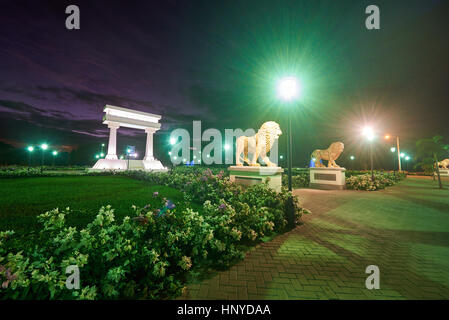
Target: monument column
{"points": [[149, 146], [112, 145]]}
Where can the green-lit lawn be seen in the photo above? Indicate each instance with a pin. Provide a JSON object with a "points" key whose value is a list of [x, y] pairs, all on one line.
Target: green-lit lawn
{"points": [[22, 199]]}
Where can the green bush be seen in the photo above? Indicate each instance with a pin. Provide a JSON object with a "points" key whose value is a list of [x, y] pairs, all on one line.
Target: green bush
{"points": [[149, 254], [365, 182]]}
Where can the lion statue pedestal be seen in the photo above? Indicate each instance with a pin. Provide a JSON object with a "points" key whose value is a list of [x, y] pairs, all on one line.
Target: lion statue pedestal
{"points": [[327, 178], [248, 176], [331, 177], [443, 168], [258, 146]]}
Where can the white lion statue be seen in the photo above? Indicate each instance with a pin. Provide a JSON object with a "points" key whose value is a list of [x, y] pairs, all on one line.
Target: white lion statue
{"points": [[258, 145], [443, 164], [330, 154]]}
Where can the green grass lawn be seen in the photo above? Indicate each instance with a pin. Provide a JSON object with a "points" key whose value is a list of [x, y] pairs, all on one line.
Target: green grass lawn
{"points": [[22, 199]]}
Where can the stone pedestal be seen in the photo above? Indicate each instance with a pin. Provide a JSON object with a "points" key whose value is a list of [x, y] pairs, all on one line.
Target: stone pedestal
{"points": [[327, 178], [248, 176], [146, 165], [110, 164], [153, 164], [443, 173]]}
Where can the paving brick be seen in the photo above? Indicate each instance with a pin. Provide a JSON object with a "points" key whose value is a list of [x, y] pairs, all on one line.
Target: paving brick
{"points": [[322, 260]]}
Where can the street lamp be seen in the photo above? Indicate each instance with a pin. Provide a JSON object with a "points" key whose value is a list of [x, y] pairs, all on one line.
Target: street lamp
{"points": [[44, 147], [352, 157], [393, 150], [369, 134], [288, 89], [30, 151], [54, 153], [128, 153], [387, 137]]}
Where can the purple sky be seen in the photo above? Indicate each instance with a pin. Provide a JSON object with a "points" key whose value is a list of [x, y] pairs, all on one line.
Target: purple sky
{"points": [[206, 60]]}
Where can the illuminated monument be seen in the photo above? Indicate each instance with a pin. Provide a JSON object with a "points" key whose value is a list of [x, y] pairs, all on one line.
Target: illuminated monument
{"points": [[116, 117]]}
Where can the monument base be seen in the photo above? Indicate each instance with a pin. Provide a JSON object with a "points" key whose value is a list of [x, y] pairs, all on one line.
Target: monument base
{"points": [[153, 164], [327, 178], [443, 173], [248, 176], [146, 165], [110, 164]]}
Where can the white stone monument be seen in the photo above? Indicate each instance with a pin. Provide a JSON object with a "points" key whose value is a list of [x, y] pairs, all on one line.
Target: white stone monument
{"points": [[258, 146], [332, 176], [116, 117]]}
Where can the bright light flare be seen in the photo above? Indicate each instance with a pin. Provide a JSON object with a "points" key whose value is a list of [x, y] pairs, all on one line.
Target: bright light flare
{"points": [[288, 88], [368, 133], [55, 153], [44, 146], [30, 149], [393, 149]]}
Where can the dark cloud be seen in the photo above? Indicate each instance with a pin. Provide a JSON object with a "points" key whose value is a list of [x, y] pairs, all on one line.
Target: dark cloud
{"points": [[217, 61]]}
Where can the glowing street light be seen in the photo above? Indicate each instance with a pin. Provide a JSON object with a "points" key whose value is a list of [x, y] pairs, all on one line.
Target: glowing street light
{"points": [[393, 149], [30, 151], [288, 89], [97, 156], [102, 154], [44, 147], [402, 154], [369, 135], [172, 141], [54, 153], [352, 157], [407, 158]]}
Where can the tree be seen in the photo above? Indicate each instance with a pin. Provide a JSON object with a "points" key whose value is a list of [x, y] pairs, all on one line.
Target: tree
{"points": [[429, 151]]}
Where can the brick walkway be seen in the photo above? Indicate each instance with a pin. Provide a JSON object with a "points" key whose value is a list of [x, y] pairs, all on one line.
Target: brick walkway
{"points": [[403, 230]]}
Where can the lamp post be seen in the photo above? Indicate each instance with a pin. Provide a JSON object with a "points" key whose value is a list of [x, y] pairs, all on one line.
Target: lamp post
{"points": [[54, 153], [44, 147], [288, 90], [387, 137], [30, 151], [369, 134], [128, 151], [393, 150]]}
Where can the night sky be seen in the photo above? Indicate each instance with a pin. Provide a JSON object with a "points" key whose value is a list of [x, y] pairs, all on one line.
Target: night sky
{"points": [[218, 61]]}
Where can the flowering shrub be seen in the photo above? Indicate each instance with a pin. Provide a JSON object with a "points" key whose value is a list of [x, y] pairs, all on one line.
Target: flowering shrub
{"points": [[148, 254], [300, 180], [365, 182]]}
